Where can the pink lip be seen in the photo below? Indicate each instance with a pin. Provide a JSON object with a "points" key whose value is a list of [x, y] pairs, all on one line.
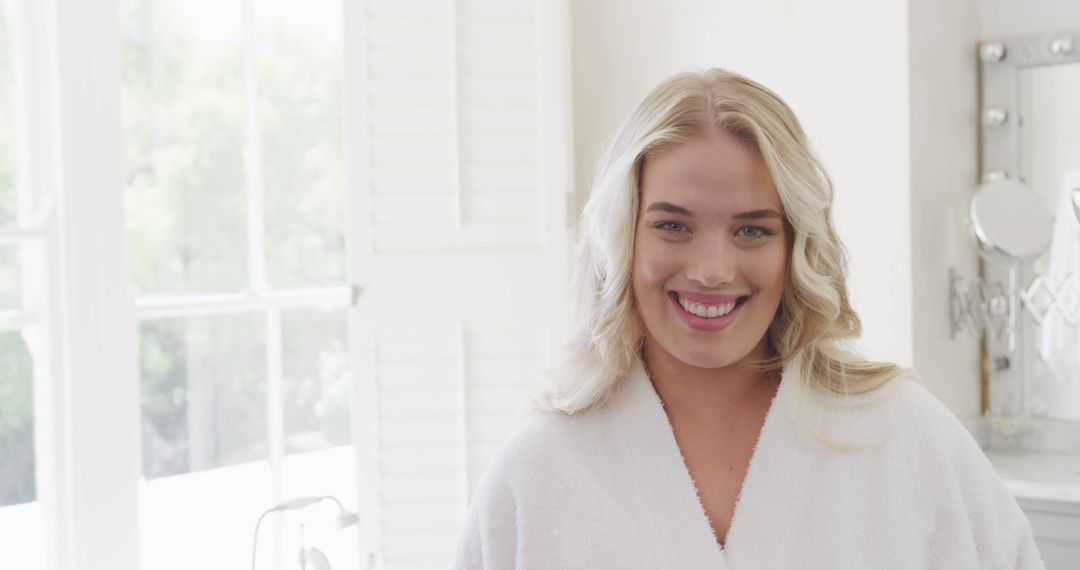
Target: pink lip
{"points": [[705, 324]]}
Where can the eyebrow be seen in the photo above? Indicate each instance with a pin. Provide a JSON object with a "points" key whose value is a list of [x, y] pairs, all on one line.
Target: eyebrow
{"points": [[751, 215], [669, 208], [758, 214]]}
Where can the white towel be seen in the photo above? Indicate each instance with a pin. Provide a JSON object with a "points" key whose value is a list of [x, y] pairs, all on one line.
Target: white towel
{"points": [[608, 488], [1059, 346]]}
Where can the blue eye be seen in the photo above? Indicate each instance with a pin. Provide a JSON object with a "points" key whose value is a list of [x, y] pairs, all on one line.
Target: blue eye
{"points": [[755, 232], [673, 227]]}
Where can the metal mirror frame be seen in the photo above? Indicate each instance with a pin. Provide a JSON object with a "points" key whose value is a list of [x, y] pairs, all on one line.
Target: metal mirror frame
{"points": [[1000, 64]]}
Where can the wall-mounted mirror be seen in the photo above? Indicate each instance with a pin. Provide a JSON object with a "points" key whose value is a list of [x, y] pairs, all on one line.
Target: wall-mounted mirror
{"points": [[1049, 97], [1030, 139]]}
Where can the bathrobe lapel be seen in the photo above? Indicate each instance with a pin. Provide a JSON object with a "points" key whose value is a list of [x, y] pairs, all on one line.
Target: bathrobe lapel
{"points": [[661, 485], [608, 488]]}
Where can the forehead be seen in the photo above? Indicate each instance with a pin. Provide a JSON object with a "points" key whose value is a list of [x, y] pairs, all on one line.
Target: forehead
{"points": [[720, 171]]}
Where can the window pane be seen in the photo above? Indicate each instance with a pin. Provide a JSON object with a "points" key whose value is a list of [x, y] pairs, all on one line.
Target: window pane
{"points": [[16, 421], [317, 391], [10, 285], [20, 513], [183, 140], [203, 393], [299, 64], [7, 125]]}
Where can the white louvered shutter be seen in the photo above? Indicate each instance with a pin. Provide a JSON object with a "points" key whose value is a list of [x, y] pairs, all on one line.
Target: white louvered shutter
{"points": [[459, 145]]}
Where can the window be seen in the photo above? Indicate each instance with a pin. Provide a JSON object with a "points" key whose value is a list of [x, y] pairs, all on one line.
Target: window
{"points": [[181, 342], [235, 225], [16, 385], [20, 248]]}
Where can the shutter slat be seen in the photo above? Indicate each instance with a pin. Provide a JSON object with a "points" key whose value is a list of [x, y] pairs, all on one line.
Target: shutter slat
{"points": [[414, 403], [427, 178], [418, 460], [421, 431], [415, 9], [410, 150], [455, 148], [494, 119], [398, 92], [505, 34], [409, 62], [501, 176], [415, 120], [396, 238], [397, 33]]}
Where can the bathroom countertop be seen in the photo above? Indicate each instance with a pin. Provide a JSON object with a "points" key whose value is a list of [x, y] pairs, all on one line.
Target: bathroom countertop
{"points": [[1039, 475]]}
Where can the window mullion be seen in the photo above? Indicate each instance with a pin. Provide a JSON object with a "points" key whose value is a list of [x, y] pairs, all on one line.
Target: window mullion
{"points": [[257, 279], [275, 417], [256, 219], [167, 306]]}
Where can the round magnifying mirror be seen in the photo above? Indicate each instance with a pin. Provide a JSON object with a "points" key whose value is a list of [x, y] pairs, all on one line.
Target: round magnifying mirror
{"points": [[1009, 221]]}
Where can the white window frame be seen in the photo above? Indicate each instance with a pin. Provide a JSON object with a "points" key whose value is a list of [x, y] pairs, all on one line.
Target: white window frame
{"points": [[87, 406], [86, 391], [258, 297], [31, 234]]}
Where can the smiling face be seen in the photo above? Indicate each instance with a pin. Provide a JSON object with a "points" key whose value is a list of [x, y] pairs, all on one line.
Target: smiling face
{"points": [[710, 252]]}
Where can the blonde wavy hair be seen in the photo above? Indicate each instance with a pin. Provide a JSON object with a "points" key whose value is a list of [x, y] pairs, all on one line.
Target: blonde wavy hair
{"points": [[814, 320]]}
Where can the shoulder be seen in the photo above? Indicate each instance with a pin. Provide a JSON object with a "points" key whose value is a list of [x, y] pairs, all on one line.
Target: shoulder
{"points": [[545, 443], [950, 465], [916, 403], [912, 425], [924, 428], [902, 413], [933, 472], [529, 469], [547, 455], [922, 417]]}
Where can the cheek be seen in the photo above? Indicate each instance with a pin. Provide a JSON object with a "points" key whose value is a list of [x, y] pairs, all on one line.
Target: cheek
{"points": [[654, 262], [768, 268]]}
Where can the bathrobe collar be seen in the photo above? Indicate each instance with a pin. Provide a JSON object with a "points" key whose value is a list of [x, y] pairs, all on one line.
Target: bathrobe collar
{"points": [[648, 441]]}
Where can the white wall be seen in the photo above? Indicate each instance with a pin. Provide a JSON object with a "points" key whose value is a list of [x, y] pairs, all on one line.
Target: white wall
{"points": [[1004, 18], [944, 164], [849, 70]]}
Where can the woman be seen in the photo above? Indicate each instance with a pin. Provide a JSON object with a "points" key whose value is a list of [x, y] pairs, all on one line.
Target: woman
{"points": [[709, 415]]}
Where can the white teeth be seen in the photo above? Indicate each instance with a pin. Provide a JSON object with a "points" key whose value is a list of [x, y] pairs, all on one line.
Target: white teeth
{"points": [[707, 311]]}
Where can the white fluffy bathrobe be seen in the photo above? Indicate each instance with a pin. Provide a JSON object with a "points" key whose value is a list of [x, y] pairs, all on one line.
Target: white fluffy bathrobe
{"points": [[608, 489]]}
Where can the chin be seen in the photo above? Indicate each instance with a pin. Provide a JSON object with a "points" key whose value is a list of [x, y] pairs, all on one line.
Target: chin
{"points": [[708, 357]]}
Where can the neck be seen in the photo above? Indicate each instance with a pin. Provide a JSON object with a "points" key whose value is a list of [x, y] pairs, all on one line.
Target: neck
{"points": [[708, 395]]}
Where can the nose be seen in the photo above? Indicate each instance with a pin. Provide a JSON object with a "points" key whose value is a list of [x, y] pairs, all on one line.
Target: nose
{"points": [[712, 264]]}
